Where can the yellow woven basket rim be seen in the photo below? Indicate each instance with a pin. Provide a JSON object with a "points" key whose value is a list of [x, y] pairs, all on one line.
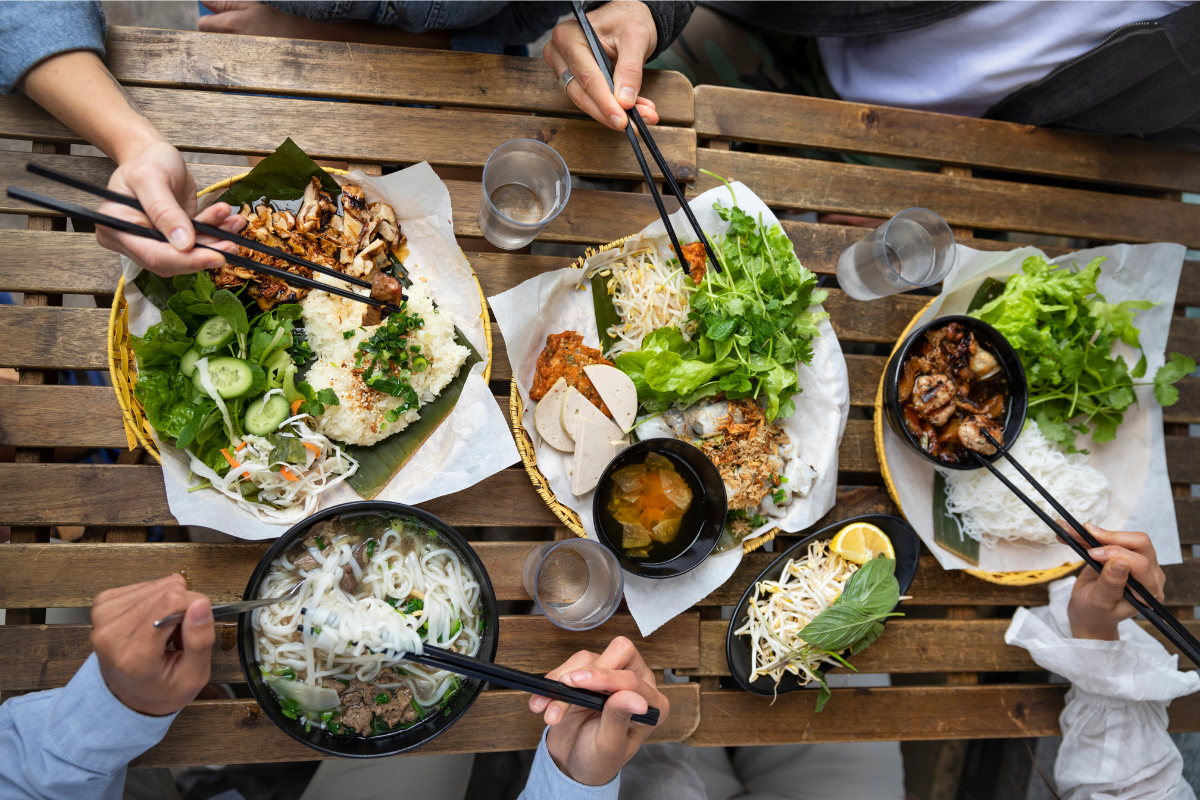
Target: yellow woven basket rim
{"points": [[516, 408], [1025, 578], [122, 365]]}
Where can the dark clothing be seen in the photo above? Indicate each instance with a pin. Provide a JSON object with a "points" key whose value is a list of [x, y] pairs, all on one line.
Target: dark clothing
{"points": [[840, 18]]}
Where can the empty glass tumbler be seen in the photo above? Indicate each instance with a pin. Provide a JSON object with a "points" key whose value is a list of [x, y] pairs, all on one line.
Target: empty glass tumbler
{"points": [[576, 583], [913, 249], [525, 185]]}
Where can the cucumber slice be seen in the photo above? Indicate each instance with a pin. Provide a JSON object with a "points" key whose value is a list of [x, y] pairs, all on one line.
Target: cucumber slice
{"points": [[233, 378], [214, 334], [187, 363], [264, 414]]}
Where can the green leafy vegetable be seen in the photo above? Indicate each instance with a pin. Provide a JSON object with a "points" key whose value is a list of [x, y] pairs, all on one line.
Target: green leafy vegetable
{"points": [[285, 450], [1063, 331], [867, 599], [283, 175]]}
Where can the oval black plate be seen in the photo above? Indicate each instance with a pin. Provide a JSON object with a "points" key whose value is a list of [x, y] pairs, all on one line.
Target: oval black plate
{"points": [[737, 648], [437, 721]]}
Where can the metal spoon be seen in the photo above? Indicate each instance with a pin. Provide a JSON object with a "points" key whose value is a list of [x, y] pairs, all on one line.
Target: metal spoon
{"points": [[230, 609]]}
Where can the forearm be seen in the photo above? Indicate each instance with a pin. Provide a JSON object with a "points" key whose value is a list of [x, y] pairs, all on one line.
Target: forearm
{"points": [[81, 93], [548, 782]]}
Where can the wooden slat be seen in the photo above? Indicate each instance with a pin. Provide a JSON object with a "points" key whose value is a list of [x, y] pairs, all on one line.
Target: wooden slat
{"points": [[916, 646], [799, 183], [187, 59], [793, 120], [44, 656], [237, 732], [50, 416], [908, 713], [360, 132]]}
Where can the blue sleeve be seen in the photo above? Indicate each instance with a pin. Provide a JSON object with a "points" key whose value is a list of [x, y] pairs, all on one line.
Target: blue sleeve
{"points": [[547, 782], [73, 742], [31, 32]]}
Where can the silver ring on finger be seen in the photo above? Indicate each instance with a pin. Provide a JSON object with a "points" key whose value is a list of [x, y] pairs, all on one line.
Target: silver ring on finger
{"points": [[565, 78]]}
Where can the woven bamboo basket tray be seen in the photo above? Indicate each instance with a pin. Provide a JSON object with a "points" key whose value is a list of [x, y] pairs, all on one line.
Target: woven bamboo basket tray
{"points": [[122, 364], [568, 517], [1026, 578]]}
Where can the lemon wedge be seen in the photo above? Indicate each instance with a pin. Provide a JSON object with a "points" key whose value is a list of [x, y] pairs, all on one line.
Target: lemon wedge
{"points": [[860, 542]]}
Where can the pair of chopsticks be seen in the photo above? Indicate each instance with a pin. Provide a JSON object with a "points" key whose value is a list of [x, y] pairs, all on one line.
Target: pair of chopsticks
{"points": [[448, 660], [1146, 603], [79, 212], [606, 68]]}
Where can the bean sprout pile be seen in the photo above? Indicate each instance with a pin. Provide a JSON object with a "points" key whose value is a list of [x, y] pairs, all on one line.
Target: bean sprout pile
{"points": [[409, 589], [779, 611], [649, 293]]}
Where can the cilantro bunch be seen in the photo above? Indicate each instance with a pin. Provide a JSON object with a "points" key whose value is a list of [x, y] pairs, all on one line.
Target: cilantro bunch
{"points": [[753, 326], [1063, 331]]}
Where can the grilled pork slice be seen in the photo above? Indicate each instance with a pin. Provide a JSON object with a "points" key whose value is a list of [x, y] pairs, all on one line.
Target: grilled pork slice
{"points": [[385, 288]]}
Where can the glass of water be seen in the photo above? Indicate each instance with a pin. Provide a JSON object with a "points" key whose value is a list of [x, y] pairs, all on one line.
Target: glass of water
{"points": [[576, 583], [525, 185], [913, 249]]}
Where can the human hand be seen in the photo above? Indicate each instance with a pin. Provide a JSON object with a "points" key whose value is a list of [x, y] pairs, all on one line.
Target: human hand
{"points": [[588, 746], [133, 655], [156, 175], [1097, 601], [627, 33], [246, 17]]}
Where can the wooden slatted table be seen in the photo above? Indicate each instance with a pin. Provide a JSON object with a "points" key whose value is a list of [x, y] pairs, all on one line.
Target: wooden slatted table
{"points": [[206, 93]]}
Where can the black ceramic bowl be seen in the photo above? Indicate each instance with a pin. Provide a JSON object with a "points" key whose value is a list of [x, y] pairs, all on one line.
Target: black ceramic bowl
{"points": [[737, 648], [712, 495], [1016, 401], [388, 744]]}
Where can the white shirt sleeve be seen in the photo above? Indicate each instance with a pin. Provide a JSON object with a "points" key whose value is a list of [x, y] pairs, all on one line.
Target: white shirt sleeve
{"points": [[547, 781], [74, 742], [1115, 743]]}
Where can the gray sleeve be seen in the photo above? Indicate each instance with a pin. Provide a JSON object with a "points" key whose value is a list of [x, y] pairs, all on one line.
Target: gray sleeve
{"points": [[31, 32]]}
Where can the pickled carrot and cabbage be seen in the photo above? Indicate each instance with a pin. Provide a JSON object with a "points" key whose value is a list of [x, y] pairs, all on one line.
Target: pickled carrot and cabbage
{"points": [[649, 501]]}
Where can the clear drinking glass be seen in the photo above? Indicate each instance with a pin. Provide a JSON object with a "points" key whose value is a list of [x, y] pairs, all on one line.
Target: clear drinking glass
{"points": [[576, 583], [915, 248], [525, 185]]}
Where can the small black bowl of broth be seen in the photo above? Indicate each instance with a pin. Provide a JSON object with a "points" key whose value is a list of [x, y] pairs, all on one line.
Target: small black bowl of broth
{"points": [[659, 507], [377, 578], [949, 381]]}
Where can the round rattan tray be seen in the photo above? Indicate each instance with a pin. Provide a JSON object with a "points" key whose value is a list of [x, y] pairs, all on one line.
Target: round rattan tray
{"points": [[122, 364], [568, 517], [1026, 578]]}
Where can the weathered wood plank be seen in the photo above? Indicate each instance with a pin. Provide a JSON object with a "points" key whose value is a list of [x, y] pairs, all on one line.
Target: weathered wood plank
{"points": [[799, 183], [187, 59], [43, 656], [364, 132], [916, 646], [794, 120], [237, 732], [60, 416], [908, 713]]}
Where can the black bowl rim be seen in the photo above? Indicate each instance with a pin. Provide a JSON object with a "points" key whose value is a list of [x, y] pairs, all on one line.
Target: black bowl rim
{"points": [[1017, 383], [286, 540], [697, 551], [905, 580]]}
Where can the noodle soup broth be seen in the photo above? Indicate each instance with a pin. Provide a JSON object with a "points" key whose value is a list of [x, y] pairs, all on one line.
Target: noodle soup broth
{"points": [[374, 586]]}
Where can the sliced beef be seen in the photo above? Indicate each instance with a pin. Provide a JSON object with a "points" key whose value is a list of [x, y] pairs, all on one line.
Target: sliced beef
{"points": [[397, 710], [357, 717]]}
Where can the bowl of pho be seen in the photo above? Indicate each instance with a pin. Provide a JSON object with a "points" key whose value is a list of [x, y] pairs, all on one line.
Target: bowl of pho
{"points": [[951, 380], [377, 580], [660, 507]]}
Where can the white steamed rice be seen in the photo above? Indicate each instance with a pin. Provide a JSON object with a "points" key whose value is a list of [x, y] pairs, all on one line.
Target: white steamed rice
{"points": [[360, 417]]}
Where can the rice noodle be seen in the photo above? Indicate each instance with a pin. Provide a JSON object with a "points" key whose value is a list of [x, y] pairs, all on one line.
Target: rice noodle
{"points": [[990, 513], [779, 611], [648, 293]]}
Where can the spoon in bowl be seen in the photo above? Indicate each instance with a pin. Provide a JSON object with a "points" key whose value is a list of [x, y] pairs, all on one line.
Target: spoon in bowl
{"points": [[223, 610]]}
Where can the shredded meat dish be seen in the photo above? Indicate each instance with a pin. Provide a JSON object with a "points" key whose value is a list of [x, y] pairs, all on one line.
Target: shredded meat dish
{"points": [[747, 455], [355, 242], [565, 356], [363, 701], [952, 390], [697, 259]]}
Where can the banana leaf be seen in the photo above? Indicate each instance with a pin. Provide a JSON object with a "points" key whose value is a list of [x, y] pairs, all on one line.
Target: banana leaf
{"points": [[378, 463], [606, 312], [283, 175]]}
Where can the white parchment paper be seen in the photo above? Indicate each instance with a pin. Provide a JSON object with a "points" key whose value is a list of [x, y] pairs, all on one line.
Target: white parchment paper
{"points": [[472, 443], [1134, 463], [551, 303]]}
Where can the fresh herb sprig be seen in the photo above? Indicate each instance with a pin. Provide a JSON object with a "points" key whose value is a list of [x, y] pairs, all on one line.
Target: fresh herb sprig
{"points": [[1064, 330], [389, 358]]}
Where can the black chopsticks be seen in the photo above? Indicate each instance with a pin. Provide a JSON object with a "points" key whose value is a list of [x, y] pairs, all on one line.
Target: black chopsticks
{"points": [[439, 658], [79, 212], [1147, 604], [606, 68], [210, 230]]}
